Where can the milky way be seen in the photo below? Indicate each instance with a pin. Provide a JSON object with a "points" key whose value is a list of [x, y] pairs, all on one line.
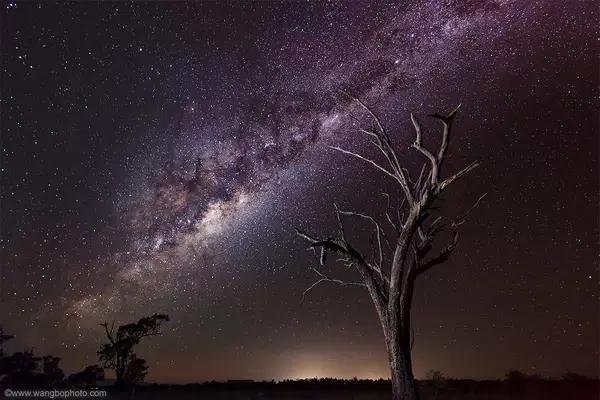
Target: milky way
{"points": [[209, 169], [197, 139]]}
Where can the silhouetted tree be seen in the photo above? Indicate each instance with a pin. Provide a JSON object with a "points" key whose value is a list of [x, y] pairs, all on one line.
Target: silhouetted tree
{"points": [[118, 354], [3, 339], [88, 377], [573, 377], [18, 370], [435, 376], [436, 379], [390, 281], [515, 376], [53, 375], [25, 370]]}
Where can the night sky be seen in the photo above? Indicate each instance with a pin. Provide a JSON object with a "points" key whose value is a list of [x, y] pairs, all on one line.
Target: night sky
{"points": [[156, 157]]}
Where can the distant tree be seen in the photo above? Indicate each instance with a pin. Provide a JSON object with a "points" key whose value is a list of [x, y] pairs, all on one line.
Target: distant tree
{"points": [[3, 339], [518, 377], [19, 369], [53, 375], [515, 376], [436, 379], [575, 378], [389, 276], [433, 375], [118, 354], [25, 370], [88, 377]]}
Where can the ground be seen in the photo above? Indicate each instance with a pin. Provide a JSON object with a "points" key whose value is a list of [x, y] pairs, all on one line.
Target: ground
{"points": [[371, 390]]}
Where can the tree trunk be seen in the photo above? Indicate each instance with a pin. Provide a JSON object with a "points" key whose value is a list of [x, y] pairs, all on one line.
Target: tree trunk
{"points": [[120, 382], [403, 382]]}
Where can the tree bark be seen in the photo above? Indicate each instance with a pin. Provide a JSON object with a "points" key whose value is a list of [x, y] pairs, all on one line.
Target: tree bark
{"points": [[403, 381]]}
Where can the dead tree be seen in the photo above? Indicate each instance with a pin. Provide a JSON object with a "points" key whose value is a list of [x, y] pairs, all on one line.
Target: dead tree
{"points": [[390, 280]]}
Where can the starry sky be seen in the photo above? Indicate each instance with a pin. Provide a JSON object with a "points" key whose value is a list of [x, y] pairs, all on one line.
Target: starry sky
{"points": [[157, 156]]}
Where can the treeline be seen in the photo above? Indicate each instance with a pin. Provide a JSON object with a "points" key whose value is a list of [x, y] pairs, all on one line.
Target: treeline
{"points": [[516, 385], [25, 370]]}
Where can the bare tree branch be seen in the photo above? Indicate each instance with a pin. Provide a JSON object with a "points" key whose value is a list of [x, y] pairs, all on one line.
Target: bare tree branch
{"points": [[368, 110], [444, 254], [373, 163], [378, 229], [461, 220], [385, 146], [418, 145], [400, 213], [447, 122], [370, 133], [355, 258], [442, 257], [324, 278], [340, 223], [462, 172], [420, 181], [387, 213]]}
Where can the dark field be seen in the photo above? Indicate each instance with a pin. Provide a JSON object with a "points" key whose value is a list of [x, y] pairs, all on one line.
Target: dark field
{"points": [[371, 390]]}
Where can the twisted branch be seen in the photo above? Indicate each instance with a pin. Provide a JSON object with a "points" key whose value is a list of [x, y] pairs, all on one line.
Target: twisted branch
{"points": [[325, 278]]}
